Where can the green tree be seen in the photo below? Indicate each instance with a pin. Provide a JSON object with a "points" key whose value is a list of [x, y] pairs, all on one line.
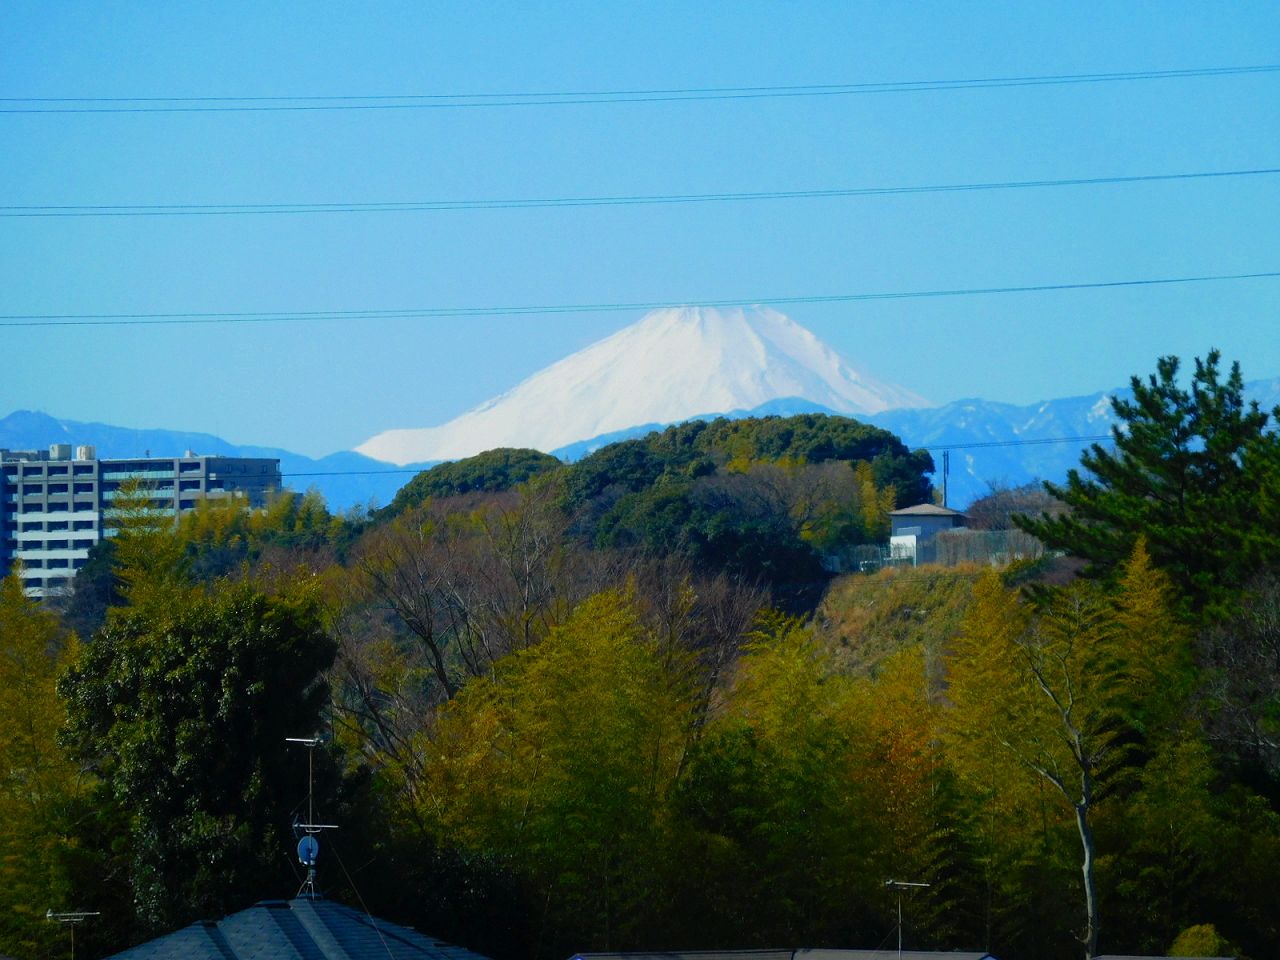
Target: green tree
{"points": [[1192, 471], [183, 710], [1184, 848], [778, 843], [1201, 940], [37, 780], [560, 766], [1241, 656], [1069, 692], [490, 472], [913, 805], [148, 558]]}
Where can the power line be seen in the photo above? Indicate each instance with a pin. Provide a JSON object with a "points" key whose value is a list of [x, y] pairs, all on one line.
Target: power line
{"points": [[353, 473], [1096, 438], [223, 104], [403, 206], [184, 318], [950, 446]]}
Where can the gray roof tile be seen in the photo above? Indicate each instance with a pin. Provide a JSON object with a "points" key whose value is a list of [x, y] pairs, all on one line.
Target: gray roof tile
{"points": [[302, 929]]}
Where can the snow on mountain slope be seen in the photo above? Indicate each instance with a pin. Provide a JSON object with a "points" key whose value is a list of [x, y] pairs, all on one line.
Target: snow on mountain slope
{"points": [[671, 365]]}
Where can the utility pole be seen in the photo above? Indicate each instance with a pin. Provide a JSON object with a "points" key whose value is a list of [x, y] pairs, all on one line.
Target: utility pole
{"points": [[946, 470], [900, 885]]}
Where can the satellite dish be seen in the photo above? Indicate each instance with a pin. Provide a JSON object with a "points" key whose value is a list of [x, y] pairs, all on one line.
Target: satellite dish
{"points": [[308, 850]]}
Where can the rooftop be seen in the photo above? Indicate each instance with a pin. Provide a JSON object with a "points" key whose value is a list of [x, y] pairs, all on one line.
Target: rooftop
{"points": [[925, 510], [302, 929]]}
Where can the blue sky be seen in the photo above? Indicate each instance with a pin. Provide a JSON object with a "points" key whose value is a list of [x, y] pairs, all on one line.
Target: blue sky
{"points": [[321, 387]]}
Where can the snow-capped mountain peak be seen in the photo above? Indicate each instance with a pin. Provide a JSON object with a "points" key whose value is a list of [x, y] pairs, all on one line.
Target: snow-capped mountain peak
{"points": [[671, 365]]}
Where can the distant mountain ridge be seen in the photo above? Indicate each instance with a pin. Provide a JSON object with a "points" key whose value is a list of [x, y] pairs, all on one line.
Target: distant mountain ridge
{"points": [[1024, 436], [346, 479], [670, 366], [1027, 433]]}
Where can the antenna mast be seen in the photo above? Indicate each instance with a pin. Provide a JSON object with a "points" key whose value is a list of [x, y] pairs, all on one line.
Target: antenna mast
{"points": [[308, 845], [901, 885], [71, 919]]}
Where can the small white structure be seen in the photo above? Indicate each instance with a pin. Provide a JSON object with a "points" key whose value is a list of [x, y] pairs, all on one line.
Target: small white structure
{"points": [[912, 530]]}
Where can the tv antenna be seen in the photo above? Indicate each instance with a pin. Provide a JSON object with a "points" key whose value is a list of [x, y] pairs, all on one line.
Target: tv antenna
{"points": [[308, 844], [901, 885], [71, 919]]}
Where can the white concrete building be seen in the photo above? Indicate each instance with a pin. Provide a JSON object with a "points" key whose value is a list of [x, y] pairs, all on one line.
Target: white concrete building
{"points": [[55, 505]]}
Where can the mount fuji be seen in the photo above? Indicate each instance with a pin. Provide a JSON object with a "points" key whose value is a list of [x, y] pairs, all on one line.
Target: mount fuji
{"points": [[671, 365]]}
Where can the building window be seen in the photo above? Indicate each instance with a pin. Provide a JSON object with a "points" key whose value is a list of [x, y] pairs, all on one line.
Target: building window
{"points": [[82, 469], [32, 489], [57, 563], [84, 488], [82, 525], [35, 563], [56, 545], [57, 525], [57, 488], [82, 544], [32, 471], [32, 525], [57, 471]]}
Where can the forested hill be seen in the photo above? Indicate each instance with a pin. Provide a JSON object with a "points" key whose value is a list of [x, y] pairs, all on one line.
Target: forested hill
{"points": [[780, 500], [687, 451]]}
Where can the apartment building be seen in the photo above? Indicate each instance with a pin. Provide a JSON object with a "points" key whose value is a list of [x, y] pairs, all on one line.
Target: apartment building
{"points": [[55, 504]]}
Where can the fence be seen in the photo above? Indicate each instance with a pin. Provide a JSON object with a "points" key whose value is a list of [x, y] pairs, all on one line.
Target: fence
{"points": [[948, 549]]}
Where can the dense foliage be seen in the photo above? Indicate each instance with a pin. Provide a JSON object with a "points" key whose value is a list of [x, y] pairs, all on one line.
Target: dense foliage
{"points": [[568, 715], [1196, 472], [184, 715], [490, 472], [39, 784], [779, 501]]}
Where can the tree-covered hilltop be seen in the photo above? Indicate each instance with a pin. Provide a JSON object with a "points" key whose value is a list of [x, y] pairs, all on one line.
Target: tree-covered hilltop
{"points": [[685, 451], [567, 714], [490, 472], [775, 500], [702, 447]]}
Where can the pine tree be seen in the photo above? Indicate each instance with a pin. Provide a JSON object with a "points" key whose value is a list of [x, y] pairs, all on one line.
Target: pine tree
{"points": [[1193, 471]]}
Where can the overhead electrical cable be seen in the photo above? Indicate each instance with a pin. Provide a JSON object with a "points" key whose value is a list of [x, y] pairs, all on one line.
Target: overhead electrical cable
{"points": [[404, 206], [181, 318], [1034, 441], [227, 104], [1098, 438]]}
